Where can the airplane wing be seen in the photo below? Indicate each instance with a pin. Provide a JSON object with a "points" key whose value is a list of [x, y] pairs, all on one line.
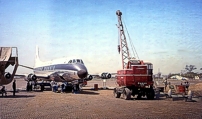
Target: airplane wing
{"points": [[25, 66], [30, 77]]}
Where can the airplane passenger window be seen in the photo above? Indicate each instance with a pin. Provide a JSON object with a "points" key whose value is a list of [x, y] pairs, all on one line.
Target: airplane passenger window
{"points": [[70, 61]]}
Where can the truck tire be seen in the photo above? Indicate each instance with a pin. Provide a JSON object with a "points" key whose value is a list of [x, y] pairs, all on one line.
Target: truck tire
{"points": [[127, 94], [150, 94], [116, 93], [139, 96]]}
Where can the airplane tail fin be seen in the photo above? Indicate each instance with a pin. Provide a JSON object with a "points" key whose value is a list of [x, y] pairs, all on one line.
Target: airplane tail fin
{"points": [[37, 60]]}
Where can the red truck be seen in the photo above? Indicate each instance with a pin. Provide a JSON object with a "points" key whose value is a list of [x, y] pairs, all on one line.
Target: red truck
{"points": [[136, 79]]}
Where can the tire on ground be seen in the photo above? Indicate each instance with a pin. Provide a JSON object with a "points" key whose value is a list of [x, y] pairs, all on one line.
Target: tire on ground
{"points": [[127, 94], [116, 93], [150, 94]]}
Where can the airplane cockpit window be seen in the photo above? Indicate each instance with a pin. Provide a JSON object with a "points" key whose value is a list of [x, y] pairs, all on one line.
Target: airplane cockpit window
{"points": [[78, 60], [70, 61], [82, 62], [74, 61]]}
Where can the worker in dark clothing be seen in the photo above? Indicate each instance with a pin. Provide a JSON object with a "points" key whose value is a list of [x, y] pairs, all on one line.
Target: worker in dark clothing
{"points": [[3, 91], [187, 85], [30, 86], [42, 87], [14, 87], [62, 87], [74, 88], [77, 88], [27, 87]]}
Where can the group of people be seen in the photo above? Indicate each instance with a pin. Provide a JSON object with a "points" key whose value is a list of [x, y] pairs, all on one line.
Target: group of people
{"points": [[32, 85], [63, 86], [29, 86], [3, 89], [166, 83], [75, 86], [55, 86]]}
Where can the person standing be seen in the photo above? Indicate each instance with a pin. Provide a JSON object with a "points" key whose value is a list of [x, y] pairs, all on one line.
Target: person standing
{"points": [[3, 91], [14, 87], [27, 86], [165, 83], [62, 87], [187, 85], [42, 85], [52, 84]]}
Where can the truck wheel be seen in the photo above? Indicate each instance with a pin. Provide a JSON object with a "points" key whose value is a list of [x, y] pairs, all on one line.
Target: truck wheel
{"points": [[127, 94], [150, 94], [116, 94]]}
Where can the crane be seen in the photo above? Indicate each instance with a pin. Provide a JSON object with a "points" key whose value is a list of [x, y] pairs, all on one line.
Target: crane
{"points": [[135, 77], [123, 46]]}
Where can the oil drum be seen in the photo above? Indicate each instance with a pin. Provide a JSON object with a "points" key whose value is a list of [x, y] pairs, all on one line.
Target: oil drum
{"points": [[96, 87]]}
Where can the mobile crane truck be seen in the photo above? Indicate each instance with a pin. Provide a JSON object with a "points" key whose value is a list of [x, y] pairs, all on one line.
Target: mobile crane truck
{"points": [[136, 77]]}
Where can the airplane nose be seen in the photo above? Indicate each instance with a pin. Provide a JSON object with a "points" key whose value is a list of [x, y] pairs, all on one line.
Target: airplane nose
{"points": [[82, 74]]}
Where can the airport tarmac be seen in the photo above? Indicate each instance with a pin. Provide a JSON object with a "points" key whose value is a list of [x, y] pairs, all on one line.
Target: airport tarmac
{"points": [[92, 104]]}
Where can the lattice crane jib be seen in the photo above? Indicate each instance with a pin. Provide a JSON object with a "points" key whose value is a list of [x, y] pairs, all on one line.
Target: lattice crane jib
{"points": [[123, 47]]}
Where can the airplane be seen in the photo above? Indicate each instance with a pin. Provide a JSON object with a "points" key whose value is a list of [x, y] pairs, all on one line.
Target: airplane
{"points": [[60, 70]]}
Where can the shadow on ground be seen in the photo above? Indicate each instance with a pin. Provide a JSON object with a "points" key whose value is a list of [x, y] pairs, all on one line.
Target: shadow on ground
{"points": [[88, 92], [17, 96]]}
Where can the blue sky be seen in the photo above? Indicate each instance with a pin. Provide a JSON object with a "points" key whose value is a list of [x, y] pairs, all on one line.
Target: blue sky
{"points": [[166, 33]]}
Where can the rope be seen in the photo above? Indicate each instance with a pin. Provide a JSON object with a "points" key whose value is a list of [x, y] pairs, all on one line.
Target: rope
{"points": [[132, 46]]}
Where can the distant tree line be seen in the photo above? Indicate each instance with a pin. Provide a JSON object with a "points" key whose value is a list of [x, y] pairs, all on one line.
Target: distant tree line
{"points": [[189, 72]]}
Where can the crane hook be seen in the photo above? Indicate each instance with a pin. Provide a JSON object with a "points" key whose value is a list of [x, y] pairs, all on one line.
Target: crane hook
{"points": [[119, 49]]}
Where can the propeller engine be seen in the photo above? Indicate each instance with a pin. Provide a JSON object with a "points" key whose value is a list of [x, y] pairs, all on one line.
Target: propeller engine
{"points": [[88, 78], [7, 75], [106, 75], [31, 77]]}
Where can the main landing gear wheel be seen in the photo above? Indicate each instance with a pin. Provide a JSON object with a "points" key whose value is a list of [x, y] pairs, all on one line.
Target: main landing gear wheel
{"points": [[127, 94], [116, 94], [139, 96]]}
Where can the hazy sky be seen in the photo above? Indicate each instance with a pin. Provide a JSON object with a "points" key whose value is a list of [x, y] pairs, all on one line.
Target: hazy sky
{"points": [[167, 33]]}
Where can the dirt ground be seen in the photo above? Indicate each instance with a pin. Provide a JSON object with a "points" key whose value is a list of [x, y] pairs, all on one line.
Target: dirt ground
{"points": [[95, 104]]}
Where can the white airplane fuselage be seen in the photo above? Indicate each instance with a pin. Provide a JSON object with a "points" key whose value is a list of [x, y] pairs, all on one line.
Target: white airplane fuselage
{"points": [[61, 70]]}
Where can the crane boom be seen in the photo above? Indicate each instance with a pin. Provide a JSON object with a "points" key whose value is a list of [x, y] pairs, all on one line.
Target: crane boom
{"points": [[124, 47]]}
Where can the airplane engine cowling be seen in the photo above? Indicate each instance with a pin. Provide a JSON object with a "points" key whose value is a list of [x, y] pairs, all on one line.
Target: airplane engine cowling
{"points": [[105, 75], [7, 75], [31, 77], [89, 77]]}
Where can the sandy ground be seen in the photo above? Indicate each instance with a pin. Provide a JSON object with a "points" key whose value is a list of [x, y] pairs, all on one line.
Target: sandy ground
{"points": [[94, 104]]}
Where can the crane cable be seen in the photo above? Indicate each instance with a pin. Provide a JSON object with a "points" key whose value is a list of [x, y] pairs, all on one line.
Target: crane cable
{"points": [[132, 46]]}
